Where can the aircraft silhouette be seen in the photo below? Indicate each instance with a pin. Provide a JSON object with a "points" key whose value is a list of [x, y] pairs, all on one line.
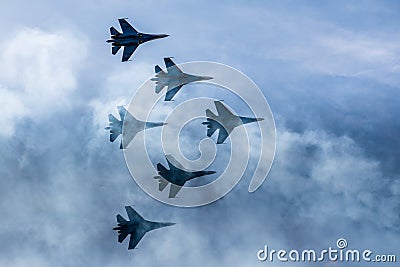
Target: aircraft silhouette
{"points": [[131, 124], [176, 175], [174, 79], [225, 121], [137, 227], [130, 39]]}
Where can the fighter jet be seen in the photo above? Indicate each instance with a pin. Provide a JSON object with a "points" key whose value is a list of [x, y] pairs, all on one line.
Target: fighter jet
{"points": [[137, 227], [130, 39], [174, 79], [132, 126], [225, 121], [176, 175]]}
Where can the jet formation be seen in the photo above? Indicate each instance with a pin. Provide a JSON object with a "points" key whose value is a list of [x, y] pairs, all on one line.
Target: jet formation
{"points": [[136, 227], [224, 122], [132, 126], [128, 126], [176, 175], [130, 39], [174, 78]]}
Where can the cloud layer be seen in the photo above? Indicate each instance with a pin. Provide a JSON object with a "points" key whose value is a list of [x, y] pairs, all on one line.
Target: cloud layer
{"points": [[329, 72]]}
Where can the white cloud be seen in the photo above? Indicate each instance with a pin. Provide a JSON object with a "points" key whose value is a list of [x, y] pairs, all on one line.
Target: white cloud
{"points": [[12, 109], [331, 177], [38, 74]]}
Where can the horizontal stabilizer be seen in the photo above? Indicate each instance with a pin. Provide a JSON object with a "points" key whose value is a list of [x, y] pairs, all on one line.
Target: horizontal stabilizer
{"points": [[114, 49], [112, 119], [158, 69], [113, 136], [121, 220], [122, 236], [212, 126], [211, 131], [159, 87], [210, 114], [113, 31], [115, 127], [162, 183]]}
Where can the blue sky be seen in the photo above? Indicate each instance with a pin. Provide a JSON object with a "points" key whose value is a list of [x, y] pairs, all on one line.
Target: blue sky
{"points": [[330, 71]]}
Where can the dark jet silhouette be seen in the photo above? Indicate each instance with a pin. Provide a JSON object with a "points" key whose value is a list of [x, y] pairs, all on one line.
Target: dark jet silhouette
{"points": [[130, 39], [137, 227], [176, 175], [174, 79], [132, 126], [225, 121]]}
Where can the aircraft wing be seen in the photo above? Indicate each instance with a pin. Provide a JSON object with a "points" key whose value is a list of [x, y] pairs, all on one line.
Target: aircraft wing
{"points": [[173, 164], [128, 51], [171, 67], [127, 137], [135, 238], [222, 110], [127, 28], [133, 215], [172, 92], [128, 133]]}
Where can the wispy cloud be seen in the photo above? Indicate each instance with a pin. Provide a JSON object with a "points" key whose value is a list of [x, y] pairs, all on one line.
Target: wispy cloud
{"points": [[330, 72], [39, 71]]}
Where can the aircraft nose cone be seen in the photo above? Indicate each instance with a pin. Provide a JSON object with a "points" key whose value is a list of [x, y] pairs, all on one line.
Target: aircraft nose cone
{"points": [[205, 78], [162, 35], [169, 224], [250, 120]]}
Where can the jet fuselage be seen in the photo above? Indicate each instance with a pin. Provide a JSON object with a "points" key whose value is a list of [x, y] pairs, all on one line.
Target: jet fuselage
{"points": [[180, 177], [127, 40], [178, 79], [131, 227]]}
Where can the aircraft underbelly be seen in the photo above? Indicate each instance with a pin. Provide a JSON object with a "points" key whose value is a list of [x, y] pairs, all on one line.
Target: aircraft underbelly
{"points": [[126, 42]]}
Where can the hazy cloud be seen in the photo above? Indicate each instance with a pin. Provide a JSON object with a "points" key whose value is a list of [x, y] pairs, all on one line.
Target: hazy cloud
{"points": [[329, 72], [38, 73]]}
